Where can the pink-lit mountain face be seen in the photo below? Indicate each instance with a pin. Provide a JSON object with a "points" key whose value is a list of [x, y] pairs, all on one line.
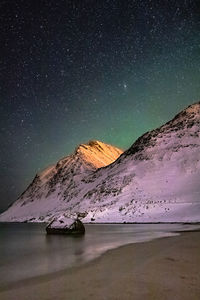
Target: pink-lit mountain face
{"points": [[155, 180], [54, 188]]}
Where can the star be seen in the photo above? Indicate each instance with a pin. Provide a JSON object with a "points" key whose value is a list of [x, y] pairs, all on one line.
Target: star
{"points": [[125, 86], [65, 80]]}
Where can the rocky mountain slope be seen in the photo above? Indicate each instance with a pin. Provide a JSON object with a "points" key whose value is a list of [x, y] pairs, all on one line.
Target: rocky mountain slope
{"points": [[155, 180], [53, 189]]}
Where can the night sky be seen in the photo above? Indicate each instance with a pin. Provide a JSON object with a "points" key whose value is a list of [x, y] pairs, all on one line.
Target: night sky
{"points": [[71, 71]]}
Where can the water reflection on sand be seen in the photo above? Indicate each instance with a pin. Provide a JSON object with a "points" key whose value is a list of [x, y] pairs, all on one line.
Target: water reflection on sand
{"points": [[26, 251]]}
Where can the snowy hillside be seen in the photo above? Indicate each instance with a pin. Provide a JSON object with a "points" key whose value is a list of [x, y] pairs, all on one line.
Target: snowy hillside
{"points": [[53, 189], [155, 180]]}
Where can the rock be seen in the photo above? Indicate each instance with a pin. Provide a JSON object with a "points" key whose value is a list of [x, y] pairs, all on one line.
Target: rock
{"points": [[65, 225]]}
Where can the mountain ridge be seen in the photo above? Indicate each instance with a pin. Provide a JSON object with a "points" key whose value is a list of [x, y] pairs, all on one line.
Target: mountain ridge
{"points": [[65, 174], [155, 180]]}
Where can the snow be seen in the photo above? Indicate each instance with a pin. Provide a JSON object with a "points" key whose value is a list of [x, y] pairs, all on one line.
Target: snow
{"points": [[155, 180], [61, 222], [53, 188]]}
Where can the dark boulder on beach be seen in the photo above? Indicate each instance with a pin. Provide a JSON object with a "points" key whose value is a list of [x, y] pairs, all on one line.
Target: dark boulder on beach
{"points": [[64, 225]]}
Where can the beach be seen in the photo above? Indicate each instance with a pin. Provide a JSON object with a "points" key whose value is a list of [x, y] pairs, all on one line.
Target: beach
{"points": [[165, 268]]}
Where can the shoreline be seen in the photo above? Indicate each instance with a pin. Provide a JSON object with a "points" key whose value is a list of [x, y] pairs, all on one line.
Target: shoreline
{"points": [[119, 274], [106, 223], [49, 276]]}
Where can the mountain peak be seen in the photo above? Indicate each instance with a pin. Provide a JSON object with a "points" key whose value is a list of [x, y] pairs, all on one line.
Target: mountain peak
{"points": [[91, 145], [188, 114], [98, 153], [193, 108], [155, 180], [186, 123], [59, 180], [187, 118]]}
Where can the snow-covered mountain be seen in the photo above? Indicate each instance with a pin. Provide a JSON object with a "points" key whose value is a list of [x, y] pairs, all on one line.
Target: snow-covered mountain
{"points": [[156, 180], [54, 188]]}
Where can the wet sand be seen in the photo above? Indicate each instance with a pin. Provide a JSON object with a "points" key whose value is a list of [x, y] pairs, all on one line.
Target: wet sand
{"points": [[167, 268]]}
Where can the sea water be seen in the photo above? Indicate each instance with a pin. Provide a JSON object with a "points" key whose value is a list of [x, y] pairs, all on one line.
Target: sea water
{"points": [[26, 251]]}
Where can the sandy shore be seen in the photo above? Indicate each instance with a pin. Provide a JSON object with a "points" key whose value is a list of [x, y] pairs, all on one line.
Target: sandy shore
{"points": [[167, 268]]}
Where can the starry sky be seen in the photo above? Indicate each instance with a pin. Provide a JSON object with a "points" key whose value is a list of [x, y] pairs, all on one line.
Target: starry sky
{"points": [[71, 71]]}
